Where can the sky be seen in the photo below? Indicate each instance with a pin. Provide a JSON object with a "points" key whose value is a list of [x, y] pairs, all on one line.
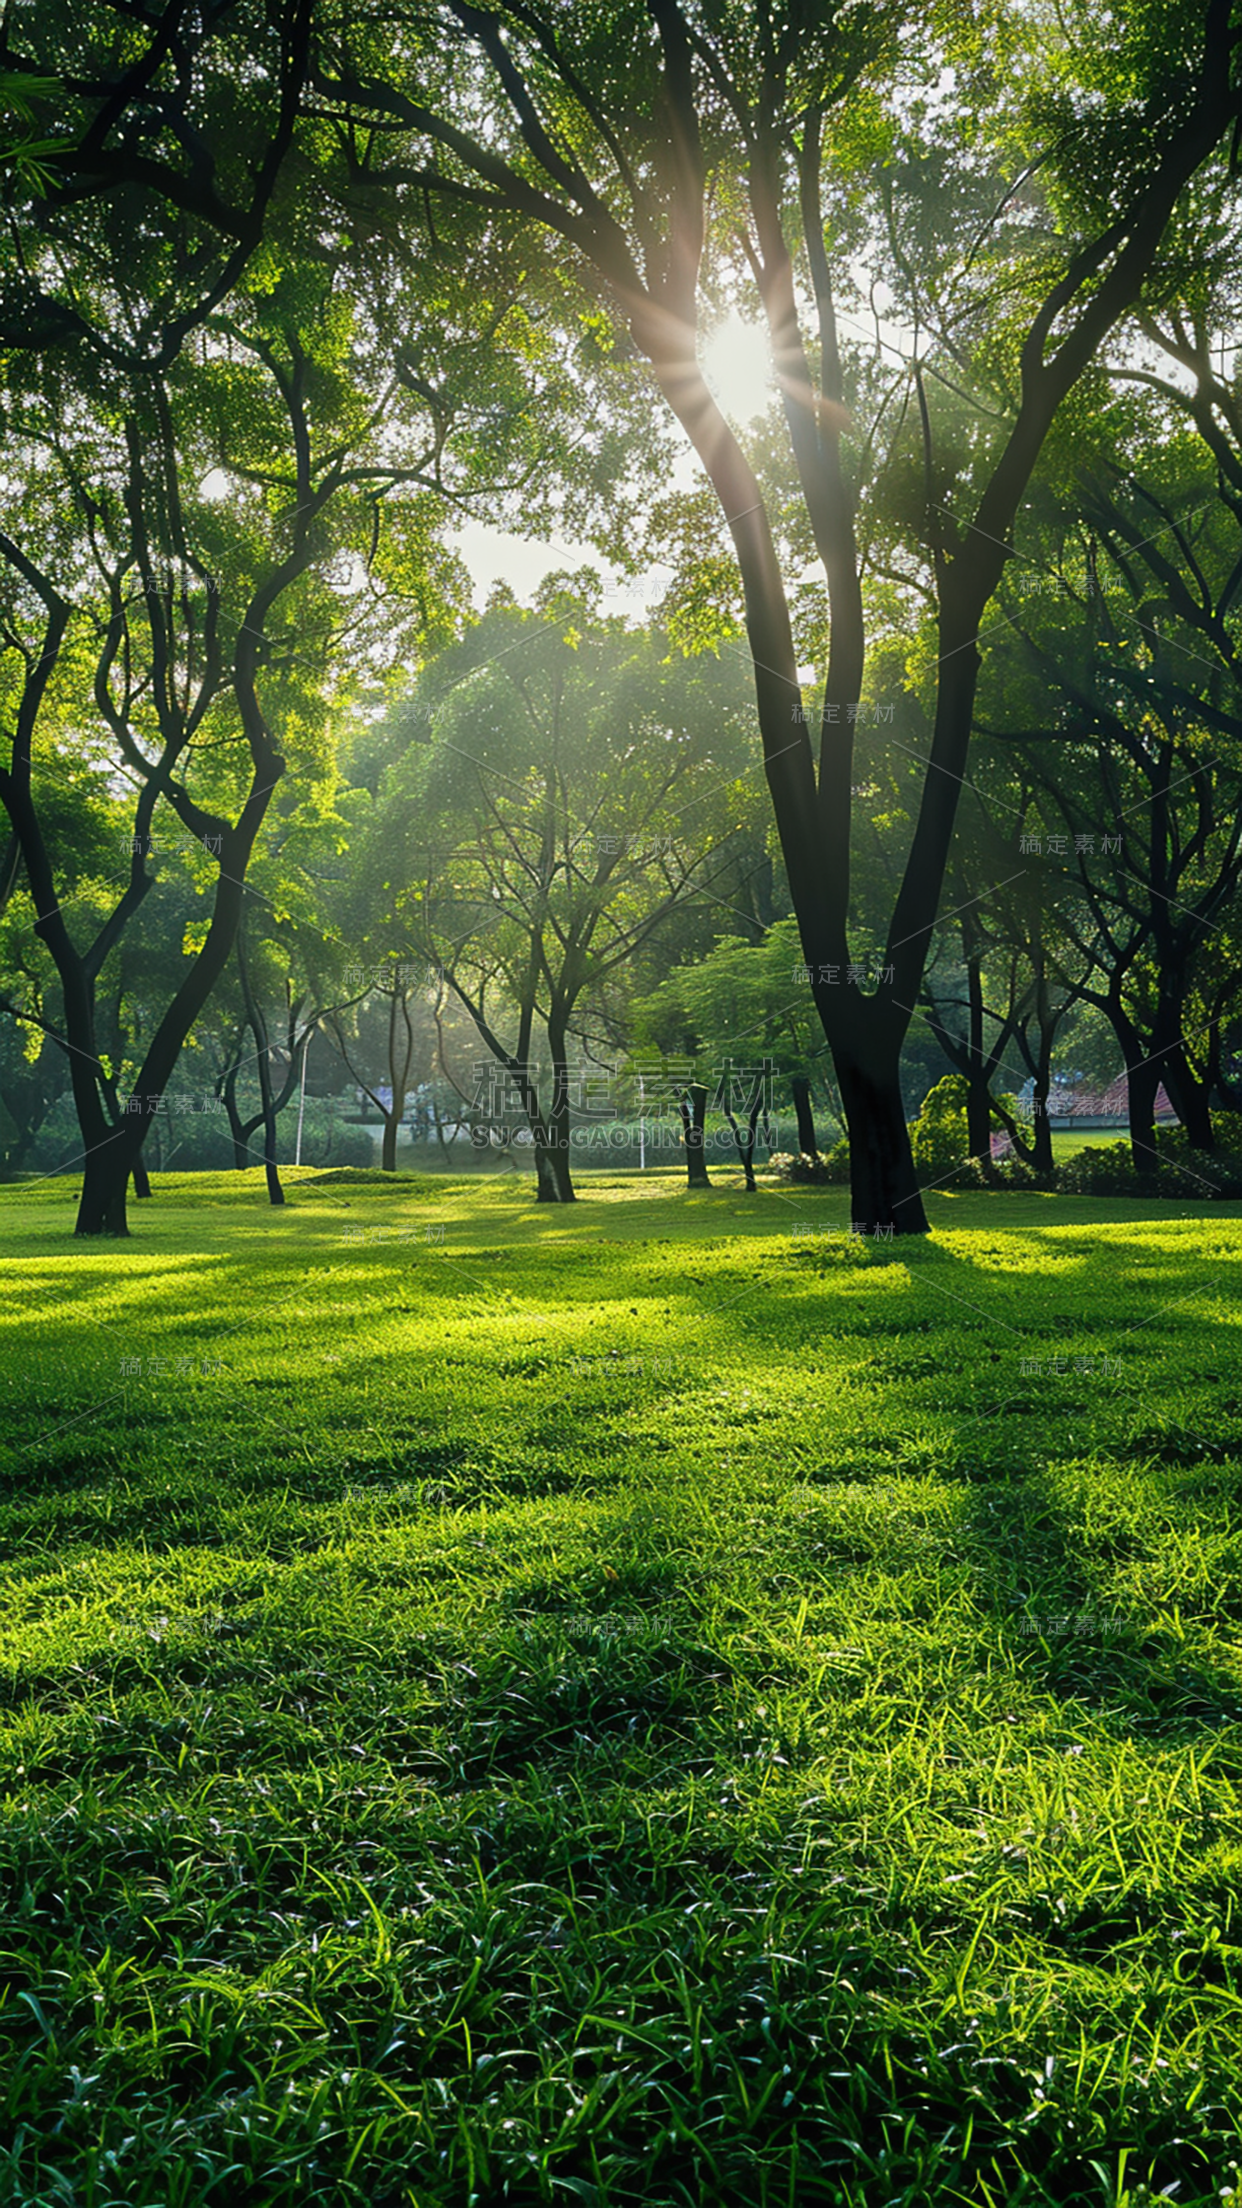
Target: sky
{"points": [[737, 362], [738, 366]]}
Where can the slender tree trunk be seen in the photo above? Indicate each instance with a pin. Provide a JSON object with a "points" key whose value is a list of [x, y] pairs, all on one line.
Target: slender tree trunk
{"points": [[109, 1148], [1041, 1127], [808, 1144], [237, 1127], [398, 1075], [1191, 1099], [745, 1145], [552, 1183], [258, 1028], [102, 1209], [979, 1119], [275, 1192], [693, 1124], [1142, 1082], [1219, 1091], [1038, 1153], [557, 1179], [979, 1069]]}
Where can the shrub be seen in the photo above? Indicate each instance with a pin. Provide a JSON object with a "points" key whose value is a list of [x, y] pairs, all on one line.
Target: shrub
{"points": [[346, 1146], [1107, 1169], [1101, 1169], [830, 1169], [1009, 1172], [1174, 1143], [938, 1136], [790, 1167]]}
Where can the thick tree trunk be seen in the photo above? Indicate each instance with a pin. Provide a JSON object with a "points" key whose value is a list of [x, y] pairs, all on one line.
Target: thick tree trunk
{"points": [[105, 1185], [111, 1095], [884, 1188], [693, 1123], [553, 1182], [141, 1178], [808, 1144]]}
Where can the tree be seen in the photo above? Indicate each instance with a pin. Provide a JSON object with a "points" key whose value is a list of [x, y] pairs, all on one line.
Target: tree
{"points": [[674, 150], [192, 544], [154, 140], [1133, 740], [576, 788], [403, 1048], [740, 1008]]}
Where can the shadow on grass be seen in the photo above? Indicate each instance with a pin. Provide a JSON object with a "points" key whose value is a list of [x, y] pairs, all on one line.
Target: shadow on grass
{"points": [[1073, 1641]]}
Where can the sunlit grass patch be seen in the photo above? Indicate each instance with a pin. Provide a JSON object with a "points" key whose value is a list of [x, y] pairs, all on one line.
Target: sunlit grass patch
{"points": [[619, 1706]]}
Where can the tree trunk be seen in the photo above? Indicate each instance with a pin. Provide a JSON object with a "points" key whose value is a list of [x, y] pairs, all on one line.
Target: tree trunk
{"points": [[398, 1076], [258, 1028], [111, 1095], [275, 1192], [808, 1145], [1142, 1082], [978, 1069], [553, 1183], [884, 1189], [556, 1181], [237, 1126], [979, 1120], [693, 1122], [1041, 1125], [105, 1185], [746, 1146], [1191, 1099]]}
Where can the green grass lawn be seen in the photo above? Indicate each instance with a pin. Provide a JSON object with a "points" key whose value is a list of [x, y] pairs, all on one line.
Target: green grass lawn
{"points": [[1068, 1141], [619, 1706]]}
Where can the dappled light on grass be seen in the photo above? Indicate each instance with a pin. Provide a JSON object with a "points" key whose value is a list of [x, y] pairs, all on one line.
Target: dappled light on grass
{"points": [[620, 1705]]}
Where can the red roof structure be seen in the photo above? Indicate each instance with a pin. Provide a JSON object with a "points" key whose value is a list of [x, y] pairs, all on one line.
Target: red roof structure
{"points": [[1110, 1103]]}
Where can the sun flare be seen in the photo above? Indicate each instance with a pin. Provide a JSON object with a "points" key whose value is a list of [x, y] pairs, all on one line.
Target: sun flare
{"points": [[738, 366]]}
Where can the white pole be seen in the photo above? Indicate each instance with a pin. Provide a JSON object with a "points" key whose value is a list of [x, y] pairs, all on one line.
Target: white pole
{"points": [[642, 1130], [297, 1156]]}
